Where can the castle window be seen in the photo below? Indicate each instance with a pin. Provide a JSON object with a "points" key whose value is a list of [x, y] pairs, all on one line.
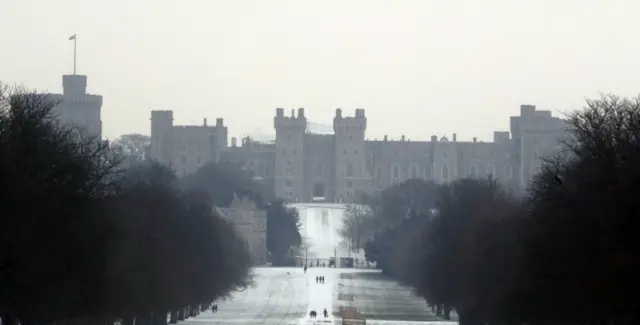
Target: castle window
{"points": [[349, 170], [473, 171], [289, 173], [184, 159], [508, 173], [289, 137], [295, 151], [349, 184], [344, 152], [350, 138], [284, 150], [413, 172], [355, 152], [491, 171], [288, 163], [319, 171], [395, 171], [445, 173], [288, 184]]}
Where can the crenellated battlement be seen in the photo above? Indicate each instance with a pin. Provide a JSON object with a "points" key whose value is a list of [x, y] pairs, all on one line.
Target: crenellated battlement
{"points": [[358, 121], [299, 121]]}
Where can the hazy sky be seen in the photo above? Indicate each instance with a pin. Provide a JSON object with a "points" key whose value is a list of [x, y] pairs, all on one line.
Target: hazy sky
{"points": [[418, 67]]}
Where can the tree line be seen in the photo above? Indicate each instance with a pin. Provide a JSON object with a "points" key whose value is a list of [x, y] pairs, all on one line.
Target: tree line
{"points": [[564, 253], [90, 235]]}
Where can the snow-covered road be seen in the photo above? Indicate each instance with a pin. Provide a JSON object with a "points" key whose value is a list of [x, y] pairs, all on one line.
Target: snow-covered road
{"points": [[279, 296], [287, 295]]}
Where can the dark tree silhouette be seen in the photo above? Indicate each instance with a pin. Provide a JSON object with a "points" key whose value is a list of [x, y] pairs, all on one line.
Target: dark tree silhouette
{"points": [[223, 182], [54, 230], [82, 242], [583, 250], [283, 232], [398, 212]]}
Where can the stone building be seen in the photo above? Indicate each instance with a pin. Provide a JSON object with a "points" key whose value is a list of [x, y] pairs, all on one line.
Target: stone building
{"points": [[302, 165], [185, 147], [251, 225], [76, 107]]}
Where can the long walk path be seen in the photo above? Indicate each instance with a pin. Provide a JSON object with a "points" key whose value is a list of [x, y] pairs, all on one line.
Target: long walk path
{"points": [[285, 296]]}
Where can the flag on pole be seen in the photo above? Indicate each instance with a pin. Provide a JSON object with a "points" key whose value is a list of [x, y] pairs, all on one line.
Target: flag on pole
{"points": [[72, 37]]}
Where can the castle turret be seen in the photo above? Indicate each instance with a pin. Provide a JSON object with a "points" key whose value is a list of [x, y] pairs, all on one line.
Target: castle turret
{"points": [[289, 170], [161, 135], [351, 174]]}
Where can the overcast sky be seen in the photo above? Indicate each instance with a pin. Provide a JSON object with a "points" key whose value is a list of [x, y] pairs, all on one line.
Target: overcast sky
{"points": [[418, 67]]}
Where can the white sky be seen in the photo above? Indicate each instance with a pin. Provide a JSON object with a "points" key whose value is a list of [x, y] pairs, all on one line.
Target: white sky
{"points": [[418, 67]]}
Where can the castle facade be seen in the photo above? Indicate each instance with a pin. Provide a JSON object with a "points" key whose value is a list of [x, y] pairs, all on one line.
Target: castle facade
{"points": [[304, 166]]}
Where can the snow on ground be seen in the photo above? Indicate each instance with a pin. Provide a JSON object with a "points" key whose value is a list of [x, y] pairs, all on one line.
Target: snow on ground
{"points": [[279, 297], [287, 295], [320, 295], [320, 225]]}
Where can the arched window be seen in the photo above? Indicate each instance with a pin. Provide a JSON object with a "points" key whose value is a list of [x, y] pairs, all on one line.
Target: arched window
{"points": [[395, 171], [508, 172], [491, 171], [473, 171], [413, 171], [445, 173], [349, 170]]}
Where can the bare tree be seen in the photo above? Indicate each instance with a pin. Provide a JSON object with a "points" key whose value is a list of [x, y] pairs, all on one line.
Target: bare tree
{"points": [[357, 226], [133, 146]]}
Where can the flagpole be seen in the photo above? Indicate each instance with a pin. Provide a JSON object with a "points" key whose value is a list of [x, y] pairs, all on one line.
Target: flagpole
{"points": [[75, 39]]}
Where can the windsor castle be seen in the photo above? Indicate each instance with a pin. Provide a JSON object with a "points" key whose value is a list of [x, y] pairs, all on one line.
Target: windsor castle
{"points": [[306, 166], [303, 165]]}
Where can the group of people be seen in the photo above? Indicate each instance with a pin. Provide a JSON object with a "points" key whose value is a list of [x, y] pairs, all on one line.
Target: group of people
{"points": [[313, 313], [320, 279]]}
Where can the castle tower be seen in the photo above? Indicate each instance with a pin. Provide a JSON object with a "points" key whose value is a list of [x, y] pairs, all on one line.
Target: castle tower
{"points": [[289, 168], [351, 176], [161, 135], [78, 108]]}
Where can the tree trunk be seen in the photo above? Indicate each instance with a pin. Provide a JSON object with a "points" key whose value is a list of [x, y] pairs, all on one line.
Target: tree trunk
{"points": [[439, 310], [447, 313], [174, 317], [470, 317], [160, 317], [182, 314], [127, 321], [9, 320]]}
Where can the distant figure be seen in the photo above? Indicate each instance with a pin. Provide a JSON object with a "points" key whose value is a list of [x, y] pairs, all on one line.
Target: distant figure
{"points": [[317, 279], [326, 314], [305, 269], [214, 309], [313, 314], [322, 279]]}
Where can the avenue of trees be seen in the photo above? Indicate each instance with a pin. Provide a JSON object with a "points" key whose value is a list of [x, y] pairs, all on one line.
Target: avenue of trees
{"points": [[567, 252], [84, 240]]}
